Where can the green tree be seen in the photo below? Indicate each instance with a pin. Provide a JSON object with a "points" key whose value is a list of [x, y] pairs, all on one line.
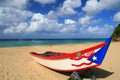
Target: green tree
{"points": [[116, 34]]}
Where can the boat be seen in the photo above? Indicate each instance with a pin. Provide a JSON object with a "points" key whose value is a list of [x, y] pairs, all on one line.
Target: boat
{"points": [[76, 61]]}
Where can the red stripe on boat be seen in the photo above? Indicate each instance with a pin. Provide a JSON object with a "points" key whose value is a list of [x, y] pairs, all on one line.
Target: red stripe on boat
{"points": [[69, 55], [81, 64], [72, 70], [93, 48]]}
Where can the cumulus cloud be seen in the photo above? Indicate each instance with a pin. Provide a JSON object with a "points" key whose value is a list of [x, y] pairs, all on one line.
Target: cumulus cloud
{"points": [[68, 7], [88, 20], [42, 24], [51, 15], [117, 17], [70, 21], [85, 20], [16, 29], [21, 4], [69, 26], [68, 29], [12, 16], [39, 23], [93, 7], [105, 30], [110, 4], [45, 1], [96, 21]]}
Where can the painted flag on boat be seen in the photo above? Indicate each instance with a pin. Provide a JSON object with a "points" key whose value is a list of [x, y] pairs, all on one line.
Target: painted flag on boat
{"points": [[92, 56], [99, 55]]}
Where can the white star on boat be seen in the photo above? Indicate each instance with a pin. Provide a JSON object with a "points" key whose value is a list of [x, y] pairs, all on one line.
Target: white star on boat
{"points": [[94, 58]]}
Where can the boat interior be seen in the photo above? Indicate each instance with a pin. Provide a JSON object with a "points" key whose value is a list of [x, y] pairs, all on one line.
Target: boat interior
{"points": [[49, 53]]}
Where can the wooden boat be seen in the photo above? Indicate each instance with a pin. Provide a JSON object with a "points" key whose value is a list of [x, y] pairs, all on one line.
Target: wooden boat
{"points": [[76, 61]]}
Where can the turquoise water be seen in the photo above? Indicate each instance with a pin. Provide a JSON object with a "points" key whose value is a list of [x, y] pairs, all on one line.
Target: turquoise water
{"points": [[37, 42]]}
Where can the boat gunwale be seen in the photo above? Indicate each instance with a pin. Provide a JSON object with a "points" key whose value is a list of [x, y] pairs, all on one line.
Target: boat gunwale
{"points": [[69, 55]]}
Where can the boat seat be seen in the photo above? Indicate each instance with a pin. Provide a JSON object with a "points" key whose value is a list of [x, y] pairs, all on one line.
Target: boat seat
{"points": [[48, 53]]}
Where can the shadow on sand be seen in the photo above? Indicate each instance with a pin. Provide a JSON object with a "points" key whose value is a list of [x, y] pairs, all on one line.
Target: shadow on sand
{"points": [[101, 73], [98, 73]]}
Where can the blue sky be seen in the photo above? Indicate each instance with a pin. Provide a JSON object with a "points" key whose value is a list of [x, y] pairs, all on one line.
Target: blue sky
{"points": [[58, 18]]}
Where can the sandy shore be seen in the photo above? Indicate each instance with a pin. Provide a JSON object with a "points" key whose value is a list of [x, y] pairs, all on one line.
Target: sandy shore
{"points": [[17, 64]]}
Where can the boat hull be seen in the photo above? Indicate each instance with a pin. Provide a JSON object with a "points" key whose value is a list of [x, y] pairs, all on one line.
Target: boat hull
{"points": [[76, 61], [66, 64]]}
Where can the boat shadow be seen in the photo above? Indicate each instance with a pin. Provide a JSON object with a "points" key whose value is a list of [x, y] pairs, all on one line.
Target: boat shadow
{"points": [[98, 73], [101, 73]]}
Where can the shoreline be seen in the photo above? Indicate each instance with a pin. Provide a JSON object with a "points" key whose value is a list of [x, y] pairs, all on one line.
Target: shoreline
{"points": [[52, 45], [46, 42], [17, 64]]}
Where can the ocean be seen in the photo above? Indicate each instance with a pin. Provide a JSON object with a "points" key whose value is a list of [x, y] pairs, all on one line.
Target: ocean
{"points": [[40, 42]]}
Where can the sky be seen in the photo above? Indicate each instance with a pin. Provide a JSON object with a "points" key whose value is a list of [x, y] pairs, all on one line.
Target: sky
{"points": [[47, 19]]}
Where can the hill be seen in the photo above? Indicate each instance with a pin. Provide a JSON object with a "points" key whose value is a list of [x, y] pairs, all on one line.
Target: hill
{"points": [[116, 34]]}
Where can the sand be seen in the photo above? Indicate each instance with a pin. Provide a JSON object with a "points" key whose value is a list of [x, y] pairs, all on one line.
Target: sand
{"points": [[17, 64]]}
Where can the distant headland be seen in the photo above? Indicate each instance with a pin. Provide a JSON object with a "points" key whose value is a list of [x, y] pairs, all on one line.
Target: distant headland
{"points": [[116, 34]]}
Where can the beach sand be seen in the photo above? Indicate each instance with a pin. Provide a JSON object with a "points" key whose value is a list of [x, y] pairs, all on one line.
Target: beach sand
{"points": [[17, 64]]}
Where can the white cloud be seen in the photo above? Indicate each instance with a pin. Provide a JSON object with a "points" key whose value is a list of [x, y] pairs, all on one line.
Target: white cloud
{"points": [[9, 30], [94, 29], [70, 21], [15, 18], [68, 29], [117, 17], [37, 23], [21, 4], [19, 29], [68, 7], [40, 23], [88, 20], [105, 30], [96, 21], [45, 1], [11, 16], [110, 4], [69, 26], [93, 7], [85, 20], [51, 15]]}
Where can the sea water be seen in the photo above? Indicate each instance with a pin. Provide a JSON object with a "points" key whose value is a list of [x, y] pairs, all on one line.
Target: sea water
{"points": [[37, 42]]}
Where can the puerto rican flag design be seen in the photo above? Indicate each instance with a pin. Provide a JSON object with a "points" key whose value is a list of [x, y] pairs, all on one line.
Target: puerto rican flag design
{"points": [[99, 55], [92, 58]]}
